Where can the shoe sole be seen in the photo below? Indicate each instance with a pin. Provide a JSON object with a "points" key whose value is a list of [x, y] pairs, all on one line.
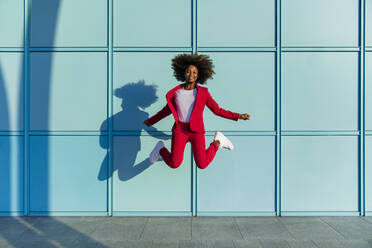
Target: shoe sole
{"points": [[226, 140]]}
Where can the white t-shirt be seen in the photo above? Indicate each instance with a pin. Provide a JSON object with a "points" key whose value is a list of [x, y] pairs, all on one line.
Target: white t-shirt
{"points": [[185, 102]]}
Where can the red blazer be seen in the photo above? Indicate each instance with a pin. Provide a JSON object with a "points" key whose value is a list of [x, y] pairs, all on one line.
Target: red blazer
{"points": [[196, 120]]}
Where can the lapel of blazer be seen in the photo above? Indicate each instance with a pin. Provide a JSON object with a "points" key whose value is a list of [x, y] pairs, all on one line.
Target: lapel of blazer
{"points": [[198, 95], [170, 94]]}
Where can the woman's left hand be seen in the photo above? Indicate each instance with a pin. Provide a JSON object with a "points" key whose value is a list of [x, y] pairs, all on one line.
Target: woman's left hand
{"points": [[244, 116]]}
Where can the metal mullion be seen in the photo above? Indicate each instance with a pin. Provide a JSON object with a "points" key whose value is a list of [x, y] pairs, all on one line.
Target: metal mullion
{"points": [[320, 133], [194, 45], [237, 49], [362, 108], [278, 111], [152, 49], [110, 109], [320, 49], [68, 49], [12, 49], [26, 163]]}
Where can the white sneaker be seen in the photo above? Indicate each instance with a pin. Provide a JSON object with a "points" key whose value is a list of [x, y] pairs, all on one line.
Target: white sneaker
{"points": [[224, 142], [155, 155]]}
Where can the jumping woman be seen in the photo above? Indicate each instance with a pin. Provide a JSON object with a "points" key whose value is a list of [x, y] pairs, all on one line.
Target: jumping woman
{"points": [[186, 102]]}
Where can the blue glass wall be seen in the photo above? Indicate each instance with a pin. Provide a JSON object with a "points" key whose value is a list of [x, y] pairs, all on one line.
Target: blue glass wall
{"points": [[78, 78]]}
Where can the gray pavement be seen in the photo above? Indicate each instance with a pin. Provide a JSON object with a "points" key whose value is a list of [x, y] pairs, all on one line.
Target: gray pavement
{"points": [[186, 232]]}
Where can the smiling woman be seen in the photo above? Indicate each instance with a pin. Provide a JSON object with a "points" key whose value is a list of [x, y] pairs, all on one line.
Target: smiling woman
{"points": [[186, 102]]}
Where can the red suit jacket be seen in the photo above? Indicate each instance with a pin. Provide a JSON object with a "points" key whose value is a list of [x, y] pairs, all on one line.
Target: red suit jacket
{"points": [[196, 120]]}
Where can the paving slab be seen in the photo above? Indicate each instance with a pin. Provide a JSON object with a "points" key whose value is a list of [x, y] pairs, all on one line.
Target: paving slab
{"points": [[172, 232], [250, 243], [128, 244], [220, 244], [262, 227], [272, 243], [118, 229], [302, 244], [164, 244], [167, 228], [342, 244], [215, 228], [192, 244], [310, 228], [53, 229], [351, 227]]}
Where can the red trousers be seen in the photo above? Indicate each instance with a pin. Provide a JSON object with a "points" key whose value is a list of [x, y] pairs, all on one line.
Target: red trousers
{"points": [[181, 134]]}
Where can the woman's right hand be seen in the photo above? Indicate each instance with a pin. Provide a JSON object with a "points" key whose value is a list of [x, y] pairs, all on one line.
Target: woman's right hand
{"points": [[147, 122]]}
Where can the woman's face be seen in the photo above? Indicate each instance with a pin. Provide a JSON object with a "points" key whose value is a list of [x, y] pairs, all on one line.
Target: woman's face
{"points": [[191, 74]]}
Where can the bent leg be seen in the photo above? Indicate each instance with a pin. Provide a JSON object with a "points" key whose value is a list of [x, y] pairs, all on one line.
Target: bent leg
{"points": [[175, 157], [202, 157]]}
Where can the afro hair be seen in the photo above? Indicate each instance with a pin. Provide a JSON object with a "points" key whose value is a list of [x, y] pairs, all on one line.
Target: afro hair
{"points": [[204, 64]]}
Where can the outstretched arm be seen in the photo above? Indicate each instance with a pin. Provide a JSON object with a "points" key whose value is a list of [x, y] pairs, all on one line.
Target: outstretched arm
{"points": [[164, 112], [213, 106]]}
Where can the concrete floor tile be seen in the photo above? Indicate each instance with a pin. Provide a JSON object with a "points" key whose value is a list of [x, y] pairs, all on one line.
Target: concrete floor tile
{"points": [[351, 227], [310, 228], [301, 244], [213, 219], [192, 244], [6, 243], [342, 244], [127, 244], [43, 243], [71, 219], [15, 218], [367, 218], [258, 219], [12, 226], [298, 219], [249, 243], [168, 232], [263, 228], [273, 243], [128, 219], [342, 218], [220, 244], [41, 228], [167, 228], [86, 242], [118, 229], [218, 229], [7, 218], [164, 244]]}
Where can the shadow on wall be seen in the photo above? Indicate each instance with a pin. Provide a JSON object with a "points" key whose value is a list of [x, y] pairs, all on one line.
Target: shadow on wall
{"points": [[5, 149], [25, 231], [135, 97]]}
